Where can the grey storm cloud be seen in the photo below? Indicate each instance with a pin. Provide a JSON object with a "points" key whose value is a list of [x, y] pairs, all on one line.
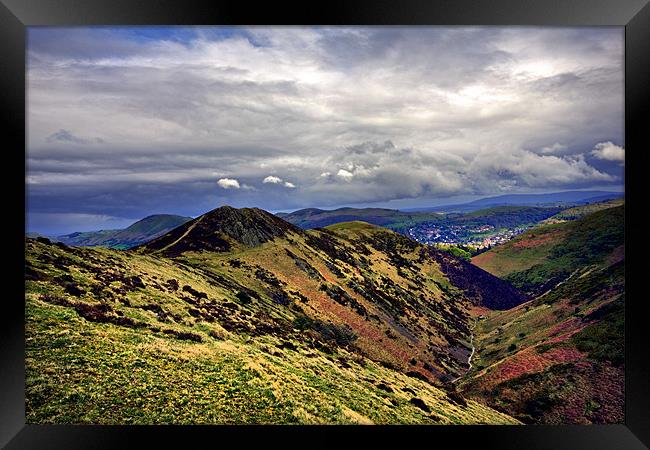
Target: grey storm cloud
{"points": [[123, 122]]}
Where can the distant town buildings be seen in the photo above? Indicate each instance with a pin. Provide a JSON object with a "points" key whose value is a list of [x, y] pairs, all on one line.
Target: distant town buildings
{"points": [[481, 237]]}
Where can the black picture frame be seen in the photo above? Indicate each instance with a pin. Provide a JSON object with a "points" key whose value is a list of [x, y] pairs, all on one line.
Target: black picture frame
{"points": [[16, 15]]}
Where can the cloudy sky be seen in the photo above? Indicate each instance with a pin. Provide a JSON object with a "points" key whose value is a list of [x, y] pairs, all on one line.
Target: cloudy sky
{"points": [[130, 121]]}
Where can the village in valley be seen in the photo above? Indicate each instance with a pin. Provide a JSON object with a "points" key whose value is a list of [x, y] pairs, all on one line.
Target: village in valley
{"points": [[478, 238]]}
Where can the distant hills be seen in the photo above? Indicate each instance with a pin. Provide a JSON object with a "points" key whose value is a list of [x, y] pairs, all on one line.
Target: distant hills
{"points": [[396, 219], [568, 198], [141, 231], [317, 218], [493, 211], [577, 212], [500, 216]]}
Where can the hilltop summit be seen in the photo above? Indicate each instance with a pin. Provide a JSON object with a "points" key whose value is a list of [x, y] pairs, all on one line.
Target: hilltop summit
{"points": [[220, 229]]}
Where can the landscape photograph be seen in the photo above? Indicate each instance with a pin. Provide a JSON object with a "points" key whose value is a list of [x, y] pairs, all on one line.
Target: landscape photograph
{"points": [[325, 225]]}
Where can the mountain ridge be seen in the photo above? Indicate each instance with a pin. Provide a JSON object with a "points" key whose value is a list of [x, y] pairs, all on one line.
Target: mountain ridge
{"points": [[564, 197]]}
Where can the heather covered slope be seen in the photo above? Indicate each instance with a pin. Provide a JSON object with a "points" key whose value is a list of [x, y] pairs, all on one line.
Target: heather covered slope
{"points": [[350, 324], [386, 287], [141, 231], [481, 287], [559, 358]]}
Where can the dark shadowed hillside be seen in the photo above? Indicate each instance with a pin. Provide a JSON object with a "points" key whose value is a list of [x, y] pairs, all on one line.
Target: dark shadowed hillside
{"points": [[481, 287]]}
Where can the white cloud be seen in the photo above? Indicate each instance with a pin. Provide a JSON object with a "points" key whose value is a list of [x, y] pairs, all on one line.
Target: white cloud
{"points": [[319, 88], [608, 151], [272, 179], [344, 174], [325, 174], [228, 183], [557, 147], [277, 180]]}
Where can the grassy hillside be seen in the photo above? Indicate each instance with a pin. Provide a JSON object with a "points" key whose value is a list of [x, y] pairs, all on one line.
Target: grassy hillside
{"points": [[584, 210], [317, 218], [539, 259], [350, 324], [523, 252]]}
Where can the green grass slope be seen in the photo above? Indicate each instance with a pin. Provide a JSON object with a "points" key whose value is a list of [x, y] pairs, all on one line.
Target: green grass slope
{"points": [[578, 212], [316, 218], [541, 258]]}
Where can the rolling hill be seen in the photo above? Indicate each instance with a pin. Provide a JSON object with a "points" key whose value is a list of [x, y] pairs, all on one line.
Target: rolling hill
{"points": [[501, 216], [316, 218], [578, 212], [537, 260], [238, 316], [141, 231]]}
